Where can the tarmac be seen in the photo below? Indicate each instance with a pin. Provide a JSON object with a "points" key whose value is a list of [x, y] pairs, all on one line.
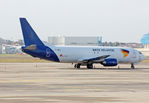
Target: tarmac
{"points": [[61, 83]]}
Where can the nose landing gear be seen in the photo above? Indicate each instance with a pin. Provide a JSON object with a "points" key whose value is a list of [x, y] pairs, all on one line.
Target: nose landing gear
{"points": [[132, 66]]}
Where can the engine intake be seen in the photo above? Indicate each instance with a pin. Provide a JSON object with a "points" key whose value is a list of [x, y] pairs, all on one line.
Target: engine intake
{"points": [[110, 62]]}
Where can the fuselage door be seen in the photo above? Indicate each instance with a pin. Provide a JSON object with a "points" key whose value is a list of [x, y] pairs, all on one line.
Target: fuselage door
{"points": [[134, 55]]}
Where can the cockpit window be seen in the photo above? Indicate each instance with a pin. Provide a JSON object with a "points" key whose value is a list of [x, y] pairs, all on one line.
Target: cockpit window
{"points": [[140, 53]]}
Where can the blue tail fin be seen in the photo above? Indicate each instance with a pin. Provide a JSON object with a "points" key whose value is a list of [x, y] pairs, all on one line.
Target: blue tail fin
{"points": [[30, 37]]}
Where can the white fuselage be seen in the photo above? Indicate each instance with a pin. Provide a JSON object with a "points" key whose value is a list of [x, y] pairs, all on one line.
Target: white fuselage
{"points": [[75, 54]]}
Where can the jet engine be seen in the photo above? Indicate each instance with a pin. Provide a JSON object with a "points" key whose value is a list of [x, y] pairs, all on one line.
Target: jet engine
{"points": [[110, 62]]}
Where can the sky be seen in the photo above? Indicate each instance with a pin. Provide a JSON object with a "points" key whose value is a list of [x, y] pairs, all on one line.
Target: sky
{"points": [[114, 20]]}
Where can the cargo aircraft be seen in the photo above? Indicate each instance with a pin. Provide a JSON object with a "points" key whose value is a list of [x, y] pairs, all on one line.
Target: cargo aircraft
{"points": [[79, 55]]}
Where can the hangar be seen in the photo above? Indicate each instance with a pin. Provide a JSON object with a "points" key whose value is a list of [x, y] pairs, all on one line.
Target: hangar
{"points": [[145, 40], [75, 40]]}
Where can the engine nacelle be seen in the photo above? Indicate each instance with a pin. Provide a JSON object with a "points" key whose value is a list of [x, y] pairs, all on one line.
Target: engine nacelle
{"points": [[110, 62]]}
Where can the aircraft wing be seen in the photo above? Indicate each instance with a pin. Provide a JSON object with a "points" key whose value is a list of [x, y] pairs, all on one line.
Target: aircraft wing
{"points": [[95, 59]]}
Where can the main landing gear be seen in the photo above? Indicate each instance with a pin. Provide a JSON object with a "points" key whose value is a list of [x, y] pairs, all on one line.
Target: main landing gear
{"points": [[77, 65], [89, 66], [132, 66]]}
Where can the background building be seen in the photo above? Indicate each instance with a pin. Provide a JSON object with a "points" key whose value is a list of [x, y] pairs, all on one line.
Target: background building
{"points": [[56, 40], [9, 49], [75, 40], [145, 40], [88, 41]]}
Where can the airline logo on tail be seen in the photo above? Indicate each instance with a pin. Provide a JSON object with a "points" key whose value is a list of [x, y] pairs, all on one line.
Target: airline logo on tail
{"points": [[125, 52]]}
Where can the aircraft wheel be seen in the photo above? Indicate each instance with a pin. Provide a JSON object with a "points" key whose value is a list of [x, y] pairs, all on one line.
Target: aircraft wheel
{"points": [[90, 66], [77, 65], [132, 66]]}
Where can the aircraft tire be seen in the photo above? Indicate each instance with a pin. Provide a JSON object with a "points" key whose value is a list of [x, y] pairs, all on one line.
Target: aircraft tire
{"points": [[78, 65], [75, 66], [132, 66], [90, 66]]}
